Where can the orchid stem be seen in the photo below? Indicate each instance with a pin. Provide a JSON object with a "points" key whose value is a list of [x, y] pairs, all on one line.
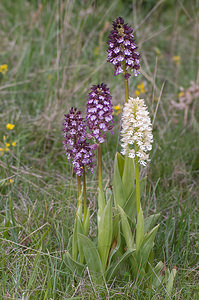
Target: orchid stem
{"points": [[79, 189], [137, 178], [126, 86], [100, 168], [84, 192]]}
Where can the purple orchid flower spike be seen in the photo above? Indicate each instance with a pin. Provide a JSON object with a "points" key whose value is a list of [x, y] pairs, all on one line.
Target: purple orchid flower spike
{"points": [[75, 143], [99, 112], [122, 49]]}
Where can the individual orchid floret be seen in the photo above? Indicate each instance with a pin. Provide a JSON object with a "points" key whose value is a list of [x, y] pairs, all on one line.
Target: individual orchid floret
{"points": [[122, 51], [78, 150], [136, 130], [99, 112]]}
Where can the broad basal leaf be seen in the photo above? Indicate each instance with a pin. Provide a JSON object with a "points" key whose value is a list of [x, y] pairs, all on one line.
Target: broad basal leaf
{"points": [[105, 230], [92, 258]]}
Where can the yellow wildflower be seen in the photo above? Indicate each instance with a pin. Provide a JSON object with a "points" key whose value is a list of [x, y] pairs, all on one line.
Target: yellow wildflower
{"points": [[7, 144], [177, 59], [3, 69], [10, 126], [137, 93], [11, 180], [117, 109], [141, 88], [181, 94], [2, 150], [14, 144]]}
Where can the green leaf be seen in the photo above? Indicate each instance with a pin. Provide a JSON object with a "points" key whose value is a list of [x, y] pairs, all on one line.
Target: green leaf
{"points": [[146, 246], [120, 162], [78, 218], [74, 241], [139, 230], [72, 264], [169, 285], [92, 258], [86, 222], [130, 203], [126, 229], [116, 239], [118, 190], [128, 178], [101, 204], [80, 229], [150, 221], [114, 268], [156, 275], [105, 231]]}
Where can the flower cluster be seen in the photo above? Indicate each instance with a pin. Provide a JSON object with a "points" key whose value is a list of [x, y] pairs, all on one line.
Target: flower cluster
{"points": [[136, 130], [7, 142], [75, 143], [122, 49], [99, 112]]}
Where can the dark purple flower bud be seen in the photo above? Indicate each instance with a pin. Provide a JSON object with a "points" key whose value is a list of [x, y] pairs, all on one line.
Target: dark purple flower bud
{"points": [[122, 49], [99, 112], [77, 148]]}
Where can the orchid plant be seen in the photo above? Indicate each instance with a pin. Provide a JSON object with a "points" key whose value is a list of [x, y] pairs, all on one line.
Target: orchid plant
{"points": [[123, 234]]}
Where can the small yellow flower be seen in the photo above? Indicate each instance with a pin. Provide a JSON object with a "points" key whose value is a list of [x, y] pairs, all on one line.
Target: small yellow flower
{"points": [[6, 149], [14, 144], [11, 180], [117, 109], [7, 144], [10, 126], [137, 93], [176, 59], [3, 69], [181, 94], [141, 88], [1, 149]]}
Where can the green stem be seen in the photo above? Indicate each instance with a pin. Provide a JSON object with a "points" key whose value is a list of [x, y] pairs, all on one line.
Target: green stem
{"points": [[126, 86], [84, 191], [79, 188], [100, 168], [137, 178]]}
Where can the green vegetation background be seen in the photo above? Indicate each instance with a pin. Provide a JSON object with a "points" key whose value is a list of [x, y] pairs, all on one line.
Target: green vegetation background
{"points": [[55, 51]]}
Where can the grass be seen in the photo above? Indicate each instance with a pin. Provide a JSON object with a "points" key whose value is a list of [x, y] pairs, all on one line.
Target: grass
{"points": [[55, 51]]}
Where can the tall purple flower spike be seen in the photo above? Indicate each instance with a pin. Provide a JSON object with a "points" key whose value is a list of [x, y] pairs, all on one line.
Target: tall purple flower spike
{"points": [[122, 49], [77, 148], [99, 112]]}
